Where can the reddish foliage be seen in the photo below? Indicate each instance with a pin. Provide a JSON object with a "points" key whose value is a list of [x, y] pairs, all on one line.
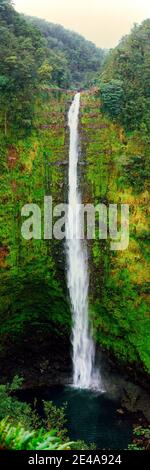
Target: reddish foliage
{"points": [[4, 252], [12, 156], [14, 186]]}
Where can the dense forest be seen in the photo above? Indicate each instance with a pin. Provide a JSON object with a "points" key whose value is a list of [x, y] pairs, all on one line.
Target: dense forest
{"points": [[76, 60], [41, 67], [35, 57], [125, 81]]}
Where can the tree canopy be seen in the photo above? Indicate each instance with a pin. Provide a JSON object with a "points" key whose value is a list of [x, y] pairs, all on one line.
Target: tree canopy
{"points": [[129, 65], [83, 58], [35, 54]]}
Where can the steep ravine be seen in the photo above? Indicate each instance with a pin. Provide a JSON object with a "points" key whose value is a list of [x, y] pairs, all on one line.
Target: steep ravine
{"points": [[34, 306]]}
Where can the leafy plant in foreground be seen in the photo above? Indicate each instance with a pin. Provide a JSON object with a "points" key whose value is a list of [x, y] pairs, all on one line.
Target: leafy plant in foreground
{"points": [[10, 406], [18, 438], [141, 438]]}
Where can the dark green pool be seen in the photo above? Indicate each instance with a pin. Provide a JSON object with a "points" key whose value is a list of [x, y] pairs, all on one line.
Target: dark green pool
{"points": [[92, 417]]}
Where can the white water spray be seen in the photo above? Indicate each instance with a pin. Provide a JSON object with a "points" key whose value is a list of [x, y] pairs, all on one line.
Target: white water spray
{"points": [[85, 375]]}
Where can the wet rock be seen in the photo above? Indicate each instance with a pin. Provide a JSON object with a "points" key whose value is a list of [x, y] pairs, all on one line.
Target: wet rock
{"points": [[136, 400], [133, 399], [120, 411]]}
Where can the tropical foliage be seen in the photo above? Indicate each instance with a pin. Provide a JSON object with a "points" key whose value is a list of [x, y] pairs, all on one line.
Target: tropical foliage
{"points": [[22, 428], [40, 66], [17, 438], [125, 81], [79, 59]]}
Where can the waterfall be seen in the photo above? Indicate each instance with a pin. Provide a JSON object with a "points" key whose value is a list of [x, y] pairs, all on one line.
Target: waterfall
{"points": [[85, 375]]}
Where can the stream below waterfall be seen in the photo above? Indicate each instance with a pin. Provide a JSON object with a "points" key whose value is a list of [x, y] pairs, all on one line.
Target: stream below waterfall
{"points": [[91, 417]]}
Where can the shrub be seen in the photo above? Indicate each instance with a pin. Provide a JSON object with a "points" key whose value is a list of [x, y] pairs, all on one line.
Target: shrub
{"points": [[18, 438]]}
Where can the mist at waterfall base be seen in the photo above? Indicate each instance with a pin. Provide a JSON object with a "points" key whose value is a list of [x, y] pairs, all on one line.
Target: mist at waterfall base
{"points": [[85, 374]]}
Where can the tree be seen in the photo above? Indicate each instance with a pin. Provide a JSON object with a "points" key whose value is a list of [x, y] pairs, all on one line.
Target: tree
{"points": [[74, 54], [24, 66], [112, 97], [129, 64]]}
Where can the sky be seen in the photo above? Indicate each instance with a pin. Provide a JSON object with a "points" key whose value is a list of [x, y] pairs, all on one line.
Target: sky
{"points": [[103, 22]]}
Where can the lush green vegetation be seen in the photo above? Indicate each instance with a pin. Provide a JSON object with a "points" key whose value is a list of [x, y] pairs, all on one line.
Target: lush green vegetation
{"points": [[76, 60], [35, 55], [33, 164], [37, 61], [17, 438], [141, 438], [24, 67], [32, 155], [31, 278], [125, 81], [22, 428], [122, 176], [31, 60], [119, 280]]}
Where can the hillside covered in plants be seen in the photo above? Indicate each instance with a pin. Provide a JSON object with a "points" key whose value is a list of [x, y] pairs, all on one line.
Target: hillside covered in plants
{"points": [[76, 60], [41, 67]]}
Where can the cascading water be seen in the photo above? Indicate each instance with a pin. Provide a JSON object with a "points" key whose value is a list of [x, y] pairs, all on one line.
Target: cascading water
{"points": [[85, 375]]}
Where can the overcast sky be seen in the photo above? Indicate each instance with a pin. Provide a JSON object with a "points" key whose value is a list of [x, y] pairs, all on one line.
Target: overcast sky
{"points": [[102, 21]]}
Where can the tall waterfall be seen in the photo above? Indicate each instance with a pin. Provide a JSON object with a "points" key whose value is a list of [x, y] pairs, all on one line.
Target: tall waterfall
{"points": [[84, 373]]}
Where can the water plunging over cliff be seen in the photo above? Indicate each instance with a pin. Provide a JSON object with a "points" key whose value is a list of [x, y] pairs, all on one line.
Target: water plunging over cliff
{"points": [[85, 375]]}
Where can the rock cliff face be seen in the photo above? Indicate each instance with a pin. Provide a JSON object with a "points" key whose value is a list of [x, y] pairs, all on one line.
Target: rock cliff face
{"points": [[35, 318]]}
